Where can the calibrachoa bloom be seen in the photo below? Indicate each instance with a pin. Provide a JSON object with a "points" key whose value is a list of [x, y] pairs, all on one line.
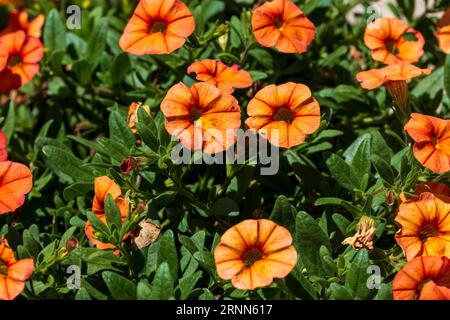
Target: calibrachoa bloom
{"points": [[394, 78], [436, 188], [423, 278], [432, 141], [220, 75], [104, 186], [19, 21], [24, 53], [3, 143], [202, 117], [16, 181], [132, 118], [391, 40], [389, 75], [424, 226], [288, 111], [90, 234], [157, 27], [13, 273], [281, 24], [253, 253], [443, 32]]}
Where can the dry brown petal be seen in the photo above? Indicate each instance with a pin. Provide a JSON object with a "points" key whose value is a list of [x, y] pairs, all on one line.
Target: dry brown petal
{"points": [[145, 234]]}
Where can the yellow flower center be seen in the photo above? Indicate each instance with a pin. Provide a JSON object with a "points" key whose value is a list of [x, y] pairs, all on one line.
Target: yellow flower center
{"points": [[14, 60], [435, 142], [284, 114], [252, 256], [158, 26], [428, 231]]}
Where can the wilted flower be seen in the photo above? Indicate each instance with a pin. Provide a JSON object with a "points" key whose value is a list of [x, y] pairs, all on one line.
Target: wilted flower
{"points": [[363, 237], [133, 114]]}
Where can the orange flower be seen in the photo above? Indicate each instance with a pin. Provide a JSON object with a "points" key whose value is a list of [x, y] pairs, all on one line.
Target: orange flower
{"points": [[424, 226], [391, 40], [432, 141], [287, 110], [15, 3], [423, 278], [157, 27], [220, 75], [3, 143], [104, 186], [133, 114], [24, 53], [253, 253], [16, 181], [281, 24], [436, 188], [201, 117], [13, 273], [90, 234], [19, 21], [389, 75], [443, 32]]}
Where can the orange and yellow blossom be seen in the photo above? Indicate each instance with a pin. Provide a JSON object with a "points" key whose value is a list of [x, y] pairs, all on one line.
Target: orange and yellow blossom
{"points": [[254, 252], [281, 24], [220, 75], [424, 226], [431, 137], [13, 273], [16, 180], [286, 114], [443, 32], [388, 39], [202, 117], [19, 21], [423, 278], [157, 27]]}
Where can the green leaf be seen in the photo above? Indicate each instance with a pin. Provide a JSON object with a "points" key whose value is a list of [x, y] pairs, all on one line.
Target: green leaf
{"points": [[384, 292], [77, 189], [447, 75], [10, 122], [339, 292], [284, 213], [96, 223], [384, 169], [358, 157], [120, 287], [224, 207], [113, 216], [343, 172], [97, 42], [187, 284], [309, 238], [356, 278], [163, 283], [147, 130], [167, 252], [82, 70], [54, 32], [121, 66], [62, 161], [120, 131]]}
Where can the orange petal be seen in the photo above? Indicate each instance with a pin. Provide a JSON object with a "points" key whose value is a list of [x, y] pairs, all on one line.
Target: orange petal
{"points": [[16, 181]]}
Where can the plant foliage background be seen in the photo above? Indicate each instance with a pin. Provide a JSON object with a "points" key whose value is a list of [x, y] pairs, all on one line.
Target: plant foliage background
{"points": [[69, 125]]}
